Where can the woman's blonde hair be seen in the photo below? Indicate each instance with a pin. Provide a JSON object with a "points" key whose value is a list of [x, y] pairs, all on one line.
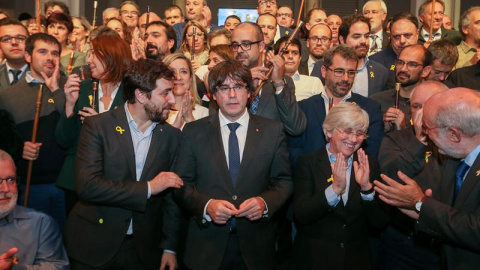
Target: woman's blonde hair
{"points": [[346, 115]]}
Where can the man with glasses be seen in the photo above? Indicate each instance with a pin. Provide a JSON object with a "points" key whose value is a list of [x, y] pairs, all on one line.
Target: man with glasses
{"points": [[13, 35], [270, 7], [412, 67], [339, 70], [129, 12], [445, 56], [318, 41], [276, 100], [285, 16], [30, 239], [403, 33], [233, 190]]}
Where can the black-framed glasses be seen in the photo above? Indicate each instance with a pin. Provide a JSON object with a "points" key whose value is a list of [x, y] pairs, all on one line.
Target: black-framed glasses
{"points": [[264, 3], [8, 39], [316, 39], [411, 65], [224, 89], [338, 72], [246, 46], [361, 135], [127, 12], [10, 180]]}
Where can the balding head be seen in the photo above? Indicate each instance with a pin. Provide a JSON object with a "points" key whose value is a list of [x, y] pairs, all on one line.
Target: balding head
{"points": [[451, 121], [422, 92]]}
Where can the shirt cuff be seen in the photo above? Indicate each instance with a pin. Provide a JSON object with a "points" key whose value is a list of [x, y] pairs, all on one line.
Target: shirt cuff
{"points": [[332, 198], [169, 251], [149, 193], [265, 212], [368, 197], [206, 217]]}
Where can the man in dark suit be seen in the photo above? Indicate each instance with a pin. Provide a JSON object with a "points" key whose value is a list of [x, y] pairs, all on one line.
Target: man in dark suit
{"points": [[13, 35], [318, 41], [237, 176], [271, 7], [339, 72], [451, 213], [276, 100], [438, 31], [403, 33], [125, 217], [376, 11]]}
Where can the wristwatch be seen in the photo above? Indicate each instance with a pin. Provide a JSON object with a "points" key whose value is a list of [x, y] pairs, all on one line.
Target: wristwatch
{"points": [[418, 204], [367, 192]]}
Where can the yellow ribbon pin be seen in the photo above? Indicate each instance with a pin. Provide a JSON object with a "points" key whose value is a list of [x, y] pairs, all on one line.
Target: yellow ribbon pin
{"points": [[330, 179], [100, 221], [286, 33], [372, 75], [120, 129], [392, 67], [427, 155], [91, 99], [50, 100]]}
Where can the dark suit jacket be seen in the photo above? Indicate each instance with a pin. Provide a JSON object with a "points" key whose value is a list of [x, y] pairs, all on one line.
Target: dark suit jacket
{"points": [[378, 77], [282, 107], [454, 36], [303, 68], [457, 225], [313, 139], [4, 81], [386, 40], [110, 196], [264, 172], [331, 237], [387, 58], [285, 31], [68, 130]]}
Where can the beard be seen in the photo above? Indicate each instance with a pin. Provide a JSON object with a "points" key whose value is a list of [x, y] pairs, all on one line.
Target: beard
{"points": [[361, 53], [340, 89], [7, 208], [154, 55], [407, 82], [156, 115]]}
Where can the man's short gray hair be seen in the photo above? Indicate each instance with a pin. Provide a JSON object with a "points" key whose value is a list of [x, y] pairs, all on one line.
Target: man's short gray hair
{"points": [[382, 4]]}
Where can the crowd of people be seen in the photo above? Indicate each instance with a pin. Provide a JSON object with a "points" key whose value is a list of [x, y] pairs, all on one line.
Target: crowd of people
{"points": [[163, 141]]}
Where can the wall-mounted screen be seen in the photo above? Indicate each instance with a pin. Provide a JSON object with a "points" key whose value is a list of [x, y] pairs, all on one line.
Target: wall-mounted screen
{"points": [[246, 15]]}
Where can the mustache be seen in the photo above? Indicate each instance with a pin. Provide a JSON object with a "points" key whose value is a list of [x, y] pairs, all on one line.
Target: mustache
{"points": [[403, 73], [241, 55], [361, 46], [4, 195], [151, 46]]}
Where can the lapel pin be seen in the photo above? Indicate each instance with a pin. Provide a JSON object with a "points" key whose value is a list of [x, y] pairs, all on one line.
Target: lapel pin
{"points": [[330, 179], [392, 67], [50, 100], [90, 98], [257, 130], [100, 221], [119, 129], [427, 155], [478, 172], [372, 75]]}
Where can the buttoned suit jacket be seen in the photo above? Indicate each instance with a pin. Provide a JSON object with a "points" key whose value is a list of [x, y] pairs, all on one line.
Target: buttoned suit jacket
{"points": [[378, 77], [457, 225], [110, 197], [332, 237], [452, 35], [4, 81], [313, 139], [264, 172]]}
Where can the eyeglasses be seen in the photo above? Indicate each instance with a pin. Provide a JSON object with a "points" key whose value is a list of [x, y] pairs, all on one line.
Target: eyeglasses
{"points": [[315, 39], [8, 39], [440, 72], [224, 89], [264, 3], [288, 15], [127, 12], [246, 46], [350, 133], [198, 34], [410, 65], [10, 180], [338, 72], [426, 129]]}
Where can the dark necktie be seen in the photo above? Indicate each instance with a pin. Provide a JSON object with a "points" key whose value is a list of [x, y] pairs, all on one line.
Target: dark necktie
{"points": [[233, 162], [254, 106], [15, 74], [374, 46], [462, 170]]}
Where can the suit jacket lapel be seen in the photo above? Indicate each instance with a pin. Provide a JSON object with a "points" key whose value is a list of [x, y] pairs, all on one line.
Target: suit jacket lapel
{"points": [[118, 100], [320, 110], [122, 133], [264, 98], [153, 150], [217, 148], [471, 180], [448, 181], [254, 132], [4, 76]]}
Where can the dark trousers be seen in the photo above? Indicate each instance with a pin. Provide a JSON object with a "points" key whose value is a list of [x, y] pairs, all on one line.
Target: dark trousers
{"points": [[232, 260], [125, 259]]}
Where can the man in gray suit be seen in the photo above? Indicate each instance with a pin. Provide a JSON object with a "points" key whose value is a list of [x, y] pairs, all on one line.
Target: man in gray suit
{"points": [[237, 176], [13, 35], [276, 100], [451, 214]]}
